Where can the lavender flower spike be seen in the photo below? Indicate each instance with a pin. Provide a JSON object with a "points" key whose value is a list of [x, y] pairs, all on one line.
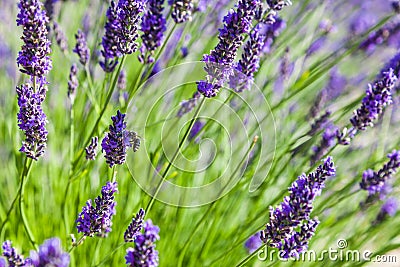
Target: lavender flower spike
{"points": [[378, 96], [109, 41], [236, 23], [116, 142], [253, 243], [389, 208], [295, 211], [182, 10], [144, 253], [61, 39], [12, 256], [374, 182], [96, 220], [91, 149], [32, 120], [249, 63], [33, 58], [73, 82], [81, 48], [328, 140], [129, 18], [134, 227], [153, 28], [50, 254]]}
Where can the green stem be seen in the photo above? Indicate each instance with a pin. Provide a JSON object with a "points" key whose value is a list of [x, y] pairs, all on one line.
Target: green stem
{"points": [[164, 175], [26, 170]]}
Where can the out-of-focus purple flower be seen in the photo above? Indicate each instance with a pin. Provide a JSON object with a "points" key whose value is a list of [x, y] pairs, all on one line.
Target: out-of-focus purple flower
{"points": [[295, 211], [271, 32], [249, 63], [278, 5], [96, 220], [81, 48], [91, 149], [377, 97], [144, 253], [134, 227], [153, 27], [389, 208], [373, 181], [61, 39], [116, 142], [253, 243], [326, 27], [182, 10], [197, 126], [389, 33], [319, 123], [50, 254], [361, 22], [396, 6], [236, 23], [286, 68], [129, 18], [12, 256], [73, 82], [109, 41], [3, 262], [188, 105], [328, 140], [32, 120], [121, 83], [33, 58]]}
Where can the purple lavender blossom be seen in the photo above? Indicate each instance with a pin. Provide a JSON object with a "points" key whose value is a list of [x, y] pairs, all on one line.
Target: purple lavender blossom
{"points": [[3, 262], [73, 82], [153, 27], [144, 253], [109, 42], [374, 182], [271, 32], [253, 243], [61, 39], [121, 83], [182, 10], [236, 23], [377, 97], [12, 256], [278, 5], [249, 63], [319, 123], [389, 33], [116, 142], [50, 254], [96, 220], [49, 6], [129, 17], [286, 68], [134, 227], [91, 149], [295, 211], [297, 243], [197, 126], [33, 58], [188, 105], [32, 120], [81, 48]]}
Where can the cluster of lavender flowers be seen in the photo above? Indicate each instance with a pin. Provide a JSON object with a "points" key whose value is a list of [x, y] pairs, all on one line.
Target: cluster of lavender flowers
{"points": [[389, 33], [34, 61], [117, 141], [237, 23], [50, 254], [290, 226], [144, 252], [120, 31], [91, 149], [81, 48], [153, 27], [97, 219], [181, 10]]}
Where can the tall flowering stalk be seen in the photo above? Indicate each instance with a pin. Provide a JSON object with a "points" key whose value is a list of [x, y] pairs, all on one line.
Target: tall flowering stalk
{"points": [[290, 226], [237, 23], [120, 31], [34, 61], [81, 48], [96, 219], [249, 63], [144, 253], [117, 141], [153, 27]]}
